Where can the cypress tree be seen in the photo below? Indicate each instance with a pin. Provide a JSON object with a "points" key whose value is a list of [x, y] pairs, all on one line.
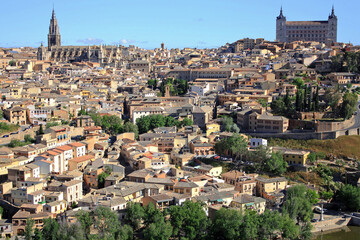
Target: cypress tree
{"points": [[305, 99], [317, 99], [297, 101]]}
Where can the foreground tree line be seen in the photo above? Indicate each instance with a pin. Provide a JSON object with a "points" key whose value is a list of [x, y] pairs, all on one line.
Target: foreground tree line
{"points": [[186, 222]]}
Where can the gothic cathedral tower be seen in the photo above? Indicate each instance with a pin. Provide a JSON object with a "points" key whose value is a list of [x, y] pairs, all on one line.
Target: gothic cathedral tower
{"points": [[281, 27], [54, 37]]}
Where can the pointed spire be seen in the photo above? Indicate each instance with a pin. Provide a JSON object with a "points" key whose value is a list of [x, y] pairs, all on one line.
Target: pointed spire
{"points": [[53, 12], [332, 15], [281, 16]]}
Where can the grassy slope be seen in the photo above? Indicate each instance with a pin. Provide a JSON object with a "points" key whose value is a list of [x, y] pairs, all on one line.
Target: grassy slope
{"points": [[343, 146], [9, 129]]}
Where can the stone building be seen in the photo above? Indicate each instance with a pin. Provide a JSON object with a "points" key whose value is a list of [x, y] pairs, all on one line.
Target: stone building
{"points": [[103, 54], [318, 31]]}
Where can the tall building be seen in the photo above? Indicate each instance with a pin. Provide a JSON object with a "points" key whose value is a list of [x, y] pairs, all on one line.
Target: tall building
{"points": [[318, 31], [103, 54], [54, 37]]}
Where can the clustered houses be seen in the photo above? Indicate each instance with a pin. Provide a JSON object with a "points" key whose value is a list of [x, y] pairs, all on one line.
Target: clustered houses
{"points": [[75, 160]]}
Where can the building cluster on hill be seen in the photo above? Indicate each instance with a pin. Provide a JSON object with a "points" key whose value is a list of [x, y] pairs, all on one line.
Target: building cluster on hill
{"points": [[109, 125]]}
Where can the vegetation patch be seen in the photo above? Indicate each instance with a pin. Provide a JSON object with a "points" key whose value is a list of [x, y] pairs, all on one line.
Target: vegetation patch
{"points": [[344, 146]]}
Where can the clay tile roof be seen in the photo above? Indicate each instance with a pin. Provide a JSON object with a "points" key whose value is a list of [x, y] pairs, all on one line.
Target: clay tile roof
{"points": [[76, 144], [82, 158]]}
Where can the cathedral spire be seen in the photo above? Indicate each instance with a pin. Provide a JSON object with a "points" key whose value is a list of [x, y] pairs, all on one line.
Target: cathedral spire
{"points": [[54, 38]]}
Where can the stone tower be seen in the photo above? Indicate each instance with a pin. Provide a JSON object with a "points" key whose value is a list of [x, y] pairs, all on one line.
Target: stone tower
{"points": [[54, 37], [332, 26], [281, 27], [41, 54], [167, 91]]}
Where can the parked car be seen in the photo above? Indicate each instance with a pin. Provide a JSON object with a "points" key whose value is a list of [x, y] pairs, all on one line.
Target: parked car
{"points": [[319, 210], [5, 136], [314, 220]]}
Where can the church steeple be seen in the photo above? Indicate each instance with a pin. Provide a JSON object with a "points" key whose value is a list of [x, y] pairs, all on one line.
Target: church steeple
{"points": [[54, 37]]}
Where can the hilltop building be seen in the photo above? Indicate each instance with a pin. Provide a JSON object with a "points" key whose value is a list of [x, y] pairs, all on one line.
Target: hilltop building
{"points": [[318, 31]]}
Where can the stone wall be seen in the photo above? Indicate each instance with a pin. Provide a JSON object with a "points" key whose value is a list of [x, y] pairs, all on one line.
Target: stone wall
{"points": [[330, 224], [20, 136], [309, 135], [323, 126]]}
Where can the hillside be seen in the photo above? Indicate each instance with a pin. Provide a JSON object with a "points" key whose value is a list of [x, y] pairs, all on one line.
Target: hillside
{"points": [[348, 146]]}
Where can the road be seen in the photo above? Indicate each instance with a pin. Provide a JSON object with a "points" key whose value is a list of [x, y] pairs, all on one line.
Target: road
{"points": [[356, 118]]}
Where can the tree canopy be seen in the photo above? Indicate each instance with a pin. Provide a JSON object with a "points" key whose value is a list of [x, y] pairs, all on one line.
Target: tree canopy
{"points": [[147, 123]]}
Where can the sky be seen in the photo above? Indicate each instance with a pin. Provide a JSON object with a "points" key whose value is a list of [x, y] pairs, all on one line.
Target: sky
{"points": [[177, 23]]}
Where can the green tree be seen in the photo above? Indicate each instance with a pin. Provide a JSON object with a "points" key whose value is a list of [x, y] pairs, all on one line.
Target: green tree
{"points": [[134, 214], [101, 178], [159, 230], [227, 224], [29, 229], [86, 221], [187, 122], [189, 220], [143, 124], [289, 229], [29, 139], [349, 196], [37, 234], [50, 229], [170, 121], [152, 83], [250, 225], [327, 195], [269, 223], [70, 231], [312, 196], [227, 123], [126, 232], [106, 221], [157, 120], [316, 99], [151, 215], [262, 102], [348, 105], [260, 157], [235, 145], [312, 157], [276, 164], [278, 107], [130, 127], [299, 83], [16, 143], [332, 97], [296, 205], [96, 118], [41, 130]]}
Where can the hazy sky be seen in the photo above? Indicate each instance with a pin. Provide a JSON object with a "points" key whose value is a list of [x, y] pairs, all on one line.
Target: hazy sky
{"points": [[177, 23]]}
